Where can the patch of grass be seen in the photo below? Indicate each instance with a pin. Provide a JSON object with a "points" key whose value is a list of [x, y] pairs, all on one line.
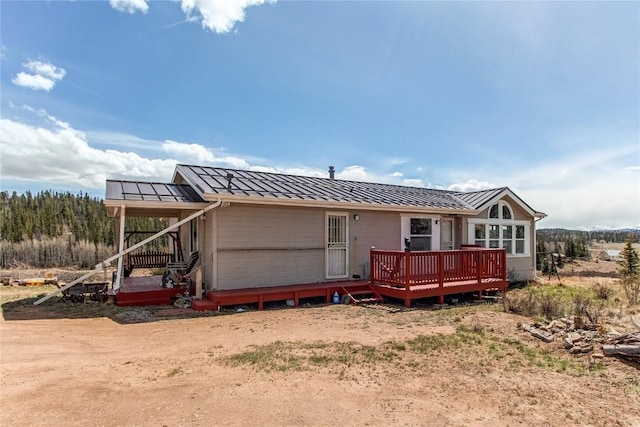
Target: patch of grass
{"points": [[543, 358], [552, 301], [174, 372]]}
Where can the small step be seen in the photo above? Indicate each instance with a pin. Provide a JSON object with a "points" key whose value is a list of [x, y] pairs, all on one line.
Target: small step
{"points": [[366, 300], [203, 304], [364, 292]]}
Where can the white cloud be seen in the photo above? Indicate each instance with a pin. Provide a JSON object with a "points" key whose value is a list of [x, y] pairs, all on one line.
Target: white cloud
{"points": [[129, 6], [201, 154], [219, 16], [87, 168], [471, 185], [42, 76], [354, 173], [413, 183], [583, 189], [397, 174]]}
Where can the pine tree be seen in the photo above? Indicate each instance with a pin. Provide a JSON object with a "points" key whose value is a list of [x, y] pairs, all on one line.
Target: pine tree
{"points": [[630, 271]]}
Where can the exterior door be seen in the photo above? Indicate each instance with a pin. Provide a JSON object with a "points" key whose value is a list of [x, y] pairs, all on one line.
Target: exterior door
{"points": [[337, 249], [446, 234]]}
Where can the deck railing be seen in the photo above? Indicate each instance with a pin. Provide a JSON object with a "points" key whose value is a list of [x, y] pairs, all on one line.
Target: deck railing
{"points": [[404, 269]]}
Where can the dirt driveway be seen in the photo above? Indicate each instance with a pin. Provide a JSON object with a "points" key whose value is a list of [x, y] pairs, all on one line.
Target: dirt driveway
{"points": [[66, 365]]}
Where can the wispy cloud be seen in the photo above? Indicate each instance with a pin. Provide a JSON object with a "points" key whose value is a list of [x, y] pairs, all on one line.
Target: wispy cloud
{"points": [[130, 6], [40, 75]]}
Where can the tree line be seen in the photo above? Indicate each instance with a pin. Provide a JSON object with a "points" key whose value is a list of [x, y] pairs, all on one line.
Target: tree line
{"points": [[575, 243], [60, 229]]}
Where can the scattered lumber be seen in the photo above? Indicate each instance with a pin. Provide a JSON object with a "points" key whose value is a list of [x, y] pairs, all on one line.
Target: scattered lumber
{"points": [[538, 333], [628, 350], [580, 337]]}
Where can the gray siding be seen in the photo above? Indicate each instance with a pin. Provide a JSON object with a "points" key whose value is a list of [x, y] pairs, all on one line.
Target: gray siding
{"points": [[261, 246], [379, 229], [268, 246]]}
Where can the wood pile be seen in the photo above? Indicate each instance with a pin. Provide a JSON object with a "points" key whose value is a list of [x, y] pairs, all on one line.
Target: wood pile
{"points": [[579, 337]]}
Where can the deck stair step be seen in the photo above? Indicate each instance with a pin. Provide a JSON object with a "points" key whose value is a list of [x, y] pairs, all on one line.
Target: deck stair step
{"points": [[365, 295]]}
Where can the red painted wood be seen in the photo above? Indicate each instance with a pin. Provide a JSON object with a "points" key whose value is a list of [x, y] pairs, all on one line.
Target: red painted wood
{"points": [[438, 273]]}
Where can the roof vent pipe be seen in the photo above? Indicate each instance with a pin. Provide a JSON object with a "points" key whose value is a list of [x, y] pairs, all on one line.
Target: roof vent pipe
{"points": [[229, 178], [332, 172]]}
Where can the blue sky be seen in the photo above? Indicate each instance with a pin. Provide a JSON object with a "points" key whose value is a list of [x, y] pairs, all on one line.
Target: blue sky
{"points": [[543, 97]]}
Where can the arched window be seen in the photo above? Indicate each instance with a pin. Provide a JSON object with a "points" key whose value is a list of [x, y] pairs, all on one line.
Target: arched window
{"points": [[500, 210]]}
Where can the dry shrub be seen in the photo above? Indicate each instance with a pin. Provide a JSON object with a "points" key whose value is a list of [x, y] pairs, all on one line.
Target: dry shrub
{"points": [[581, 303], [602, 291], [523, 303], [550, 306]]}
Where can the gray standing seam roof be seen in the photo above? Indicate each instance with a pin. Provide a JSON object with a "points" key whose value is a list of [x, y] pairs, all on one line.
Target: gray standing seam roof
{"points": [[214, 181], [151, 191]]}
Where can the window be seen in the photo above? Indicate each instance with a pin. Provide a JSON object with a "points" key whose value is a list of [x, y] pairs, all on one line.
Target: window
{"points": [[421, 234], [501, 230]]}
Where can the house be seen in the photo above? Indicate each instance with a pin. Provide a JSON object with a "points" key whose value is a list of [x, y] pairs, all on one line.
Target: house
{"points": [[259, 230], [612, 255]]}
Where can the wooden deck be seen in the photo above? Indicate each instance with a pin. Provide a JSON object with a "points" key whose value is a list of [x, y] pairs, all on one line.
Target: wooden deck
{"points": [[405, 276], [414, 275], [146, 290]]}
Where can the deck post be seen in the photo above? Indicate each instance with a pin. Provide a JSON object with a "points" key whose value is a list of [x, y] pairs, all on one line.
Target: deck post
{"points": [[479, 266], [407, 270], [407, 279], [260, 302], [441, 272]]}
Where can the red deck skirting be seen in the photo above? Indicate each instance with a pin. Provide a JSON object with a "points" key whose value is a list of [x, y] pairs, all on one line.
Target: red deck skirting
{"points": [[228, 297], [145, 290]]}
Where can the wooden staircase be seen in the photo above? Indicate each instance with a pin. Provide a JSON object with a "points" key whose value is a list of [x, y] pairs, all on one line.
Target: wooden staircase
{"points": [[362, 294]]}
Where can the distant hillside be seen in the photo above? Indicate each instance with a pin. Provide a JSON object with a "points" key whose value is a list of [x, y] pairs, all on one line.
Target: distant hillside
{"points": [[608, 236]]}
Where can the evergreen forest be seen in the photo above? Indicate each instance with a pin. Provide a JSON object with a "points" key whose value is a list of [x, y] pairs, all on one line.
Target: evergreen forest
{"points": [[52, 229]]}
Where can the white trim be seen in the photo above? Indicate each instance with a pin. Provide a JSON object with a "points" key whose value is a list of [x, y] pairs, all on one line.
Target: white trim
{"points": [[405, 228], [471, 235], [497, 198]]}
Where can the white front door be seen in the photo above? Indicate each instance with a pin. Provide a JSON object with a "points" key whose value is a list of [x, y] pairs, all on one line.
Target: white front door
{"points": [[337, 249], [446, 234]]}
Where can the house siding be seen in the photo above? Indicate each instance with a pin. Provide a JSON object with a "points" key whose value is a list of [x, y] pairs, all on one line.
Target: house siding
{"points": [[261, 246], [268, 246]]}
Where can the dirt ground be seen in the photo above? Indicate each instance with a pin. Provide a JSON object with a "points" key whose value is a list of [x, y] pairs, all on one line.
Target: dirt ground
{"points": [[100, 365]]}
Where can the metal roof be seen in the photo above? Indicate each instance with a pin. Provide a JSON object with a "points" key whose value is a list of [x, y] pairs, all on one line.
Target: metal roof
{"points": [[216, 182], [151, 191], [479, 198]]}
